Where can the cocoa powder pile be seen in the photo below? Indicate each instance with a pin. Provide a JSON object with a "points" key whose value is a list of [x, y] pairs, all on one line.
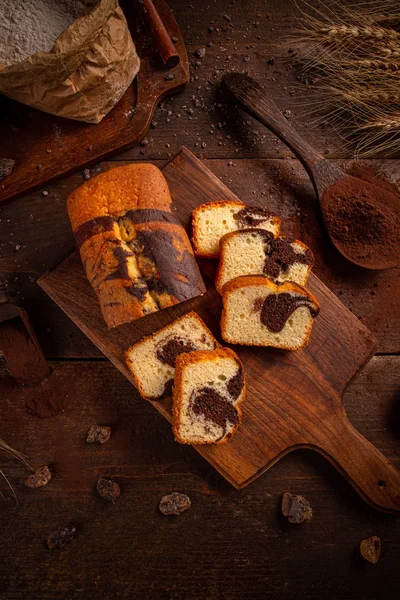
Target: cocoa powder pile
{"points": [[362, 215]]}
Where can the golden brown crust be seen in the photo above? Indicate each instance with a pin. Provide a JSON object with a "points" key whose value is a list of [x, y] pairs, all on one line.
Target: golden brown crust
{"points": [[249, 281], [135, 186], [194, 357], [195, 213], [136, 255], [129, 363]]}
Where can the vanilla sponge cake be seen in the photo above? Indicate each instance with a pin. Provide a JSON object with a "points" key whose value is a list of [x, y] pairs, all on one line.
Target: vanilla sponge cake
{"points": [[256, 252], [212, 220], [258, 312], [209, 387], [152, 360]]}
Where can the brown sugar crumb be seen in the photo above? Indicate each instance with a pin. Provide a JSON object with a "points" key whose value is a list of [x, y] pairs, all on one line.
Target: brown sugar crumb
{"points": [[39, 478], [296, 508], [61, 537], [108, 489], [6, 167], [370, 549], [98, 433], [174, 504]]}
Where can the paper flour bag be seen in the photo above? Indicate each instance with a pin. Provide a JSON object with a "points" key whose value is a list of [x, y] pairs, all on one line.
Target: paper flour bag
{"points": [[89, 67]]}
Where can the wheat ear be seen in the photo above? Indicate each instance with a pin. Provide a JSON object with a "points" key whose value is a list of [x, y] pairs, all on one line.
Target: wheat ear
{"points": [[19, 456], [379, 64], [368, 32], [386, 124]]}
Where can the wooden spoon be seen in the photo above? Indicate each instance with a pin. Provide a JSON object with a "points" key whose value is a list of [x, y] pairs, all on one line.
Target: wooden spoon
{"points": [[252, 98]]}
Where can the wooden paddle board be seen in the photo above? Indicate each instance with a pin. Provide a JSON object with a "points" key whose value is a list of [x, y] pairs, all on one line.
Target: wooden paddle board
{"points": [[294, 399]]}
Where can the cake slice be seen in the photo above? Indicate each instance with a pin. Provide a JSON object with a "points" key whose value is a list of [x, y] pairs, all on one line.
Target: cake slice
{"points": [[256, 252], [258, 312], [213, 220], [209, 387], [152, 360]]}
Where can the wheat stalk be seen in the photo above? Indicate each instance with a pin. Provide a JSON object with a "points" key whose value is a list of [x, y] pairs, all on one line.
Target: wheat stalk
{"points": [[354, 57], [370, 96], [388, 21], [347, 33], [372, 64], [9, 485], [19, 456], [388, 124]]}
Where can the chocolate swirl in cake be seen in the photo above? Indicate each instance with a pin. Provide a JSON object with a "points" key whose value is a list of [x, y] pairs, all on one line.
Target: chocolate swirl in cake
{"points": [[163, 268], [213, 407], [276, 309], [169, 350], [251, 216], [235, 384], [280, 255]]}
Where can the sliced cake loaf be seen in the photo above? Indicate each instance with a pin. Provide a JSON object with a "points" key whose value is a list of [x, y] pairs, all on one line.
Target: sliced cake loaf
{"points": [[256, 252], [213, 220], [152, 360], [136, 254], [209, 387], [258, 312]]}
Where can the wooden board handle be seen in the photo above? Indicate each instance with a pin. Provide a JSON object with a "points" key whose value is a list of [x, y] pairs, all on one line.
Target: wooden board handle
{"points": [[368, 471]]}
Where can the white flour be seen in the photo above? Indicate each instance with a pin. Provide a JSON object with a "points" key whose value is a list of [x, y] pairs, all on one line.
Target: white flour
{"points": [[29, 26]]}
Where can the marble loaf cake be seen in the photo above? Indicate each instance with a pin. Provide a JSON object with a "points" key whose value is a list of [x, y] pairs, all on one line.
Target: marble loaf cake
{"points": [[136, 254], [209, 388], [152, 360], [258, 312], [212, 220], [257, 252]]}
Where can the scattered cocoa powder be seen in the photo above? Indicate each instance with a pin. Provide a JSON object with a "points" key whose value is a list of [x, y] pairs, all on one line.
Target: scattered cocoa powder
{"points": [[45, 406], [61, 537], [362, 214], [24, 359]]}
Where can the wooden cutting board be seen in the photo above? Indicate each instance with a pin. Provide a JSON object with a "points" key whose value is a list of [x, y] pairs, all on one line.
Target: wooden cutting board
{"points": [[294, 399], [46, 147]]}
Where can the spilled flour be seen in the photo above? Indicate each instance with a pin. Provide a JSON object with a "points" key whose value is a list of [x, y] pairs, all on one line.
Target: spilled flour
{"points": [[29, 26]]}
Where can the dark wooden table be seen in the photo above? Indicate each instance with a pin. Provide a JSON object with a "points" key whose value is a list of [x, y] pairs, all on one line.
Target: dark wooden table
{"points": [[231, 544]]}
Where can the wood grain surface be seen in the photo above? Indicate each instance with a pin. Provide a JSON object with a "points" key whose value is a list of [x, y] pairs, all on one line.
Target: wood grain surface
{"points": [[293, 398], [45, 147], [232, 544]]}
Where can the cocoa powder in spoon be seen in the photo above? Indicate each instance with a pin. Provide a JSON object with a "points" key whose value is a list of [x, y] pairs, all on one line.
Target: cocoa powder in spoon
{"points": [[363, 213]]}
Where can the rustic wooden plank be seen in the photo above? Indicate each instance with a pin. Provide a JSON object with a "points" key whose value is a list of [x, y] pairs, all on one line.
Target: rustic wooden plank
{"points": [[245, 43], [230, 544], [40, 225]]}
